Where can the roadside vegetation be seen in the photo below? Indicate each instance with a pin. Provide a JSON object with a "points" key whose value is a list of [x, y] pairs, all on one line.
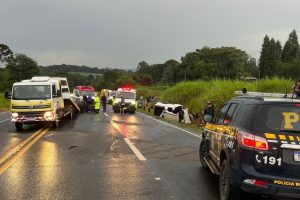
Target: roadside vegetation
{"points": [[195, 94], [4, 103]]}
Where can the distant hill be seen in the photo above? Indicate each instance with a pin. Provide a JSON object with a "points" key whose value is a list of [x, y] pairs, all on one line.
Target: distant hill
{"points": [[70, 69]]}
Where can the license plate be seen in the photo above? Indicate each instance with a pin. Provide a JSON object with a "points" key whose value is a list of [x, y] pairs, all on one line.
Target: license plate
{"points": [[297, 156]]}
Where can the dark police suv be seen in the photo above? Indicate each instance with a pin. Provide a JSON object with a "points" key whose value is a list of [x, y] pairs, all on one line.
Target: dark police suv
{"points": [[253, 144]]}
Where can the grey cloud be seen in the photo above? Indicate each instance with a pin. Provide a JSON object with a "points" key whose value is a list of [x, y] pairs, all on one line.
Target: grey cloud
{"points": [[120, 33]]}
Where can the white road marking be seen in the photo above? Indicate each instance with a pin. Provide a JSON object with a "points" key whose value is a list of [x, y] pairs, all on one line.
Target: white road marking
{"points": [[135, 150], [172, 126], [106, 114], [129, 143], [4, 120]]}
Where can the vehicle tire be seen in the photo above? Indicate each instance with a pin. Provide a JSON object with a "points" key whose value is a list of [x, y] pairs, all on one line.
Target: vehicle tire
{"points": [[55, 124], [227, 191], [19, 126], [71, 114], [202, 151]]}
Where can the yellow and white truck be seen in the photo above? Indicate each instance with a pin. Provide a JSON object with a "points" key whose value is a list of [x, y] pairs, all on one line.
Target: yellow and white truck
{"points": [[41, 99]]}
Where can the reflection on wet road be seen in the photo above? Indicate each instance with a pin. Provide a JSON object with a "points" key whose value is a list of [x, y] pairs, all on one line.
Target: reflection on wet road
{"points": [[88, 158]]}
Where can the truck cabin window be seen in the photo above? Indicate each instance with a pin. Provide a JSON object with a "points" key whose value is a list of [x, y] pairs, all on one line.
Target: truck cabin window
{"points": [[31, 92]]}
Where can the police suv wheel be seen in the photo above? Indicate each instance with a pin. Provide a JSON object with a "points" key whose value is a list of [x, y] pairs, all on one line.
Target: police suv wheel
{"points": [[227, 191], [202, 149]]}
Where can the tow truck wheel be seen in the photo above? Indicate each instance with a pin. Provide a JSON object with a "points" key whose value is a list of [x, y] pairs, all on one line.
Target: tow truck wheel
{"points": [[227, 191], [18, 126], [202, 149], [71, 114], [55, 124]]}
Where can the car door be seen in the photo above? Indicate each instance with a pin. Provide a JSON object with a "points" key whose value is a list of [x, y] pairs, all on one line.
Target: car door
{"points": [[216, 129]]}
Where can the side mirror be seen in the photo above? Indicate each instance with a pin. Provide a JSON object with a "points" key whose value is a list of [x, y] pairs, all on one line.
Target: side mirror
{"points": [[7, 95], [58, 93]]}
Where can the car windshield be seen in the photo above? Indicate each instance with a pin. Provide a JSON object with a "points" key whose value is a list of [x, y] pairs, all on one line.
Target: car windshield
{"points": [[126, 95], [277, 118], [87, 93], [28, 92]]}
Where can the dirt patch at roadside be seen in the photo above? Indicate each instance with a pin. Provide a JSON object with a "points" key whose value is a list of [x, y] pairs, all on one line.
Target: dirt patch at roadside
{"points": [[3, 110]]}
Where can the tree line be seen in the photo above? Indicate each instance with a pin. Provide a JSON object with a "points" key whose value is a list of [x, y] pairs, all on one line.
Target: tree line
{"points": [[202, 64]]}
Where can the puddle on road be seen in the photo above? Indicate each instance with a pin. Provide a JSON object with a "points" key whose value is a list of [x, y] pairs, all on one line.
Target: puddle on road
{"points": [[166, 151]]}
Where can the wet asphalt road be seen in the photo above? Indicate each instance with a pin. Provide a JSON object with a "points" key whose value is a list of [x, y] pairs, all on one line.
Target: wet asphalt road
{"points": [[88, 158]]}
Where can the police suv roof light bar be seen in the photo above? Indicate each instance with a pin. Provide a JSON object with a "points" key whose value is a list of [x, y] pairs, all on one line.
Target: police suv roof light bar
{"points": [[263, 94]]}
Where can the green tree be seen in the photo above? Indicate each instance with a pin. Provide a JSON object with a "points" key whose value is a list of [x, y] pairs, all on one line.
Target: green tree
{"points": [[22, 67], [291, 49], [270, 57], [5, 54]]}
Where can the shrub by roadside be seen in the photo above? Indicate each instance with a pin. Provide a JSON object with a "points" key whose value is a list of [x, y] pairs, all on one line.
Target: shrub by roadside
{"points": [[195, 94], [4, 103]]}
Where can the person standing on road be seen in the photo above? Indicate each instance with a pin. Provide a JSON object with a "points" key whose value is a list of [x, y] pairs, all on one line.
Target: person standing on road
{"points": [[97, 104], [85, 102], [209, 112], [103, 102], [122, 105], [296, 89]]}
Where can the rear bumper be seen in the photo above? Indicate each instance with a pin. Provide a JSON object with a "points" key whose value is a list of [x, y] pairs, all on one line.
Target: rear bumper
{"points": [[273, 190], [276, 185]]}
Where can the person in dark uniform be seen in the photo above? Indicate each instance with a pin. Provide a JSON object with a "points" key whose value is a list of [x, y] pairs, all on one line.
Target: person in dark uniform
{"points": [[86, 104], [103, 102], [209, 112]]}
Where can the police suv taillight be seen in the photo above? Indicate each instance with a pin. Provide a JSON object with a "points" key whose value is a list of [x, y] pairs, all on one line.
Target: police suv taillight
{"points": [[252, 141]]}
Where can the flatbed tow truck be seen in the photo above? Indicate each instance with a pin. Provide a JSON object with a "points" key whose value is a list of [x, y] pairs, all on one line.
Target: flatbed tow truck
{"points": [[41, 99]]}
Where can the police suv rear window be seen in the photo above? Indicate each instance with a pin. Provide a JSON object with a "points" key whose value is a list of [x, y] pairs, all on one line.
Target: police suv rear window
{"points": [[277, 118]]}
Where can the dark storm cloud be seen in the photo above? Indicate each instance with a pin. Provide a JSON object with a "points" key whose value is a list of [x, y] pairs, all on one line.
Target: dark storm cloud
{"points": [[120, 33]]}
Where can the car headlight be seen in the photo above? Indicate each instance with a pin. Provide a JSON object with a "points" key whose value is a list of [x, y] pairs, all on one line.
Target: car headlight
{"points": [[14, 115], [48, 114]]}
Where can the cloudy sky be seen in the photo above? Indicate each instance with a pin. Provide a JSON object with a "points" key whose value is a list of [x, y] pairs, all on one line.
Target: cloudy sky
{"points": [[120, 33]]}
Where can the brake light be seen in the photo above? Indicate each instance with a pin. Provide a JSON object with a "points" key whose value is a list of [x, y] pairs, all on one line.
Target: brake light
{"points": [[252, 141]]}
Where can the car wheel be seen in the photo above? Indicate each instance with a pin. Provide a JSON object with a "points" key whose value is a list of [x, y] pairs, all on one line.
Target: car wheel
{"points": [[227, 191], [19, 126], [202, 151]]}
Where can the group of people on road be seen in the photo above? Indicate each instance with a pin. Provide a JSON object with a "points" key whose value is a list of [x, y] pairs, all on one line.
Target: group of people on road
{"points": [[99, 102]]}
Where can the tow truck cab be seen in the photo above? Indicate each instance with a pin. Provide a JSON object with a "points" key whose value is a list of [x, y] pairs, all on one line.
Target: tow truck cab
{"points": [[129, 95], [38, 100]]}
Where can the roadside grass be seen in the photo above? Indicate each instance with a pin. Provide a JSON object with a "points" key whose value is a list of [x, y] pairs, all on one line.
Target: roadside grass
{"points": [[4, 103], [195, 94], [155, 91]]}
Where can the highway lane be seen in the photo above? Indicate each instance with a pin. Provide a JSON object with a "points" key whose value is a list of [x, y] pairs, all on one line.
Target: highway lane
{"points": [[9, 137], [88, 158]]}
